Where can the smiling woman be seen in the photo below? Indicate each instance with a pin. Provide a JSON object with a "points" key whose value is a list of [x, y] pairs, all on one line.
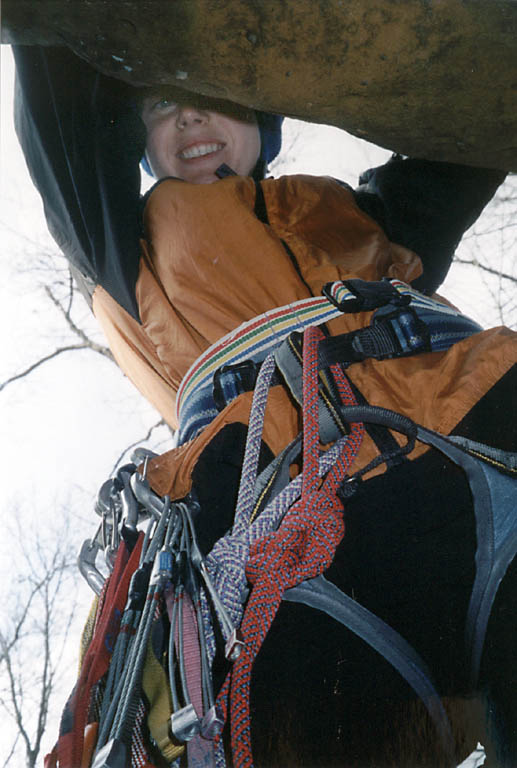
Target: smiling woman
{"points": [[191, 142]]}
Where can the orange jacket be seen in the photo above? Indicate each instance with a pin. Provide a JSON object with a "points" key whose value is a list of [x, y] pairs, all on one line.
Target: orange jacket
{"points": [[209, 264]]}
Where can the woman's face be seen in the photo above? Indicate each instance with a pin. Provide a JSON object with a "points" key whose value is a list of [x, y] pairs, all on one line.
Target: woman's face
{"points": [[191, 141]]}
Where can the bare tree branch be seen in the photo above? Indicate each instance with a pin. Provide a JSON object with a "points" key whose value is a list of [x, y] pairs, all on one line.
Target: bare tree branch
{"points": [[88, 342], [55, 273], [160, 423], [486, 268], [41, 361], [71, 293], [15, 699], [12, 751], [31, 650], [20, 622]]}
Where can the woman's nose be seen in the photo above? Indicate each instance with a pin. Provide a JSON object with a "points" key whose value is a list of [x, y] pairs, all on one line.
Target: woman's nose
{"points": [[188, 115]]}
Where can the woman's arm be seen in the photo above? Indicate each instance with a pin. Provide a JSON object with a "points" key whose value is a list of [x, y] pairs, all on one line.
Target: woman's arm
{"points": [[427, 206], [83, 138]]}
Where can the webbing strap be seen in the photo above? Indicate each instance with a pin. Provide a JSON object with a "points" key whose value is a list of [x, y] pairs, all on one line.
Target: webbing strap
{"points": [[406, 331], [492, 477], [200, 751], [97, 659], [288, 358], [250, 341], [494, 495], [321, 594]]}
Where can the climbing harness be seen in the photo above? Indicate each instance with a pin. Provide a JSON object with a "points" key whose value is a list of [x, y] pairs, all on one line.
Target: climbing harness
{"points": [[145, 692], [406, 323]]}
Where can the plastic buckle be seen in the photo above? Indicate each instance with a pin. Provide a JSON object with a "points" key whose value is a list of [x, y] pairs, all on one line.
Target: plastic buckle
{"points": [[411, 333], [185, 723], [230, 381], [369, 294], [234, 646], [212, 724], [224, 170]]}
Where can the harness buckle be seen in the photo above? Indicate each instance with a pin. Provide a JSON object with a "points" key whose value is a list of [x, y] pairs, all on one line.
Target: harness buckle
{"points": [[366, 295], [230, 381], [411, 333], [394, 333]]}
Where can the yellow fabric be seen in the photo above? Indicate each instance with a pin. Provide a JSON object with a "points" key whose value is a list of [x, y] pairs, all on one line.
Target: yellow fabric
{"points": [[155, 685], [87, 633], [208, 265]]}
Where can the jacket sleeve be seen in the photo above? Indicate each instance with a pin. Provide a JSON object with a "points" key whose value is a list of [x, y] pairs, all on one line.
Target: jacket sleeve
{"points": [[426, 206], [83, 138]]}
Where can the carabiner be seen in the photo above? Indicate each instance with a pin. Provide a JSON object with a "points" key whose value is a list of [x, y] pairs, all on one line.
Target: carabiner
{"points": [[147, 497], [233, 639], [86, 561]]}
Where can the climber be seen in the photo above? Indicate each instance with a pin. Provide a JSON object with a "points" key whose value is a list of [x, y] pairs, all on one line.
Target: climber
{"points": [[200, 261]]}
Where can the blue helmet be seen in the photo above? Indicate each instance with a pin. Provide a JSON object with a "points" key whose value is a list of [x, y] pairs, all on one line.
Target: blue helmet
{"points": [[270, 128]]}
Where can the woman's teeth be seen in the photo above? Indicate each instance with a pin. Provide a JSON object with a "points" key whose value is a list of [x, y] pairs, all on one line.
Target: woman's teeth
{"points": [[199, 150]]}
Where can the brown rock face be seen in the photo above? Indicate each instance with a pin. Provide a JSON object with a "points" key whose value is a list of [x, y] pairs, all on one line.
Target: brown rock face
{"points": [[428, 78]]}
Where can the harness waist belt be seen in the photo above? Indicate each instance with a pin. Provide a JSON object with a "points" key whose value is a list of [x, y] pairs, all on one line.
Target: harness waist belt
{"points": [[407, 323]]}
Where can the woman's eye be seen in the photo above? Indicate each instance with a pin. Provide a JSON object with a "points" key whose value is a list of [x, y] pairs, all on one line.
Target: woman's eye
{"points": [[164, 105]]}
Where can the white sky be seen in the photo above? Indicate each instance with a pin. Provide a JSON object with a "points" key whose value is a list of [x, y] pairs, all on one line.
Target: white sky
{"points": [[63, 427]]}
